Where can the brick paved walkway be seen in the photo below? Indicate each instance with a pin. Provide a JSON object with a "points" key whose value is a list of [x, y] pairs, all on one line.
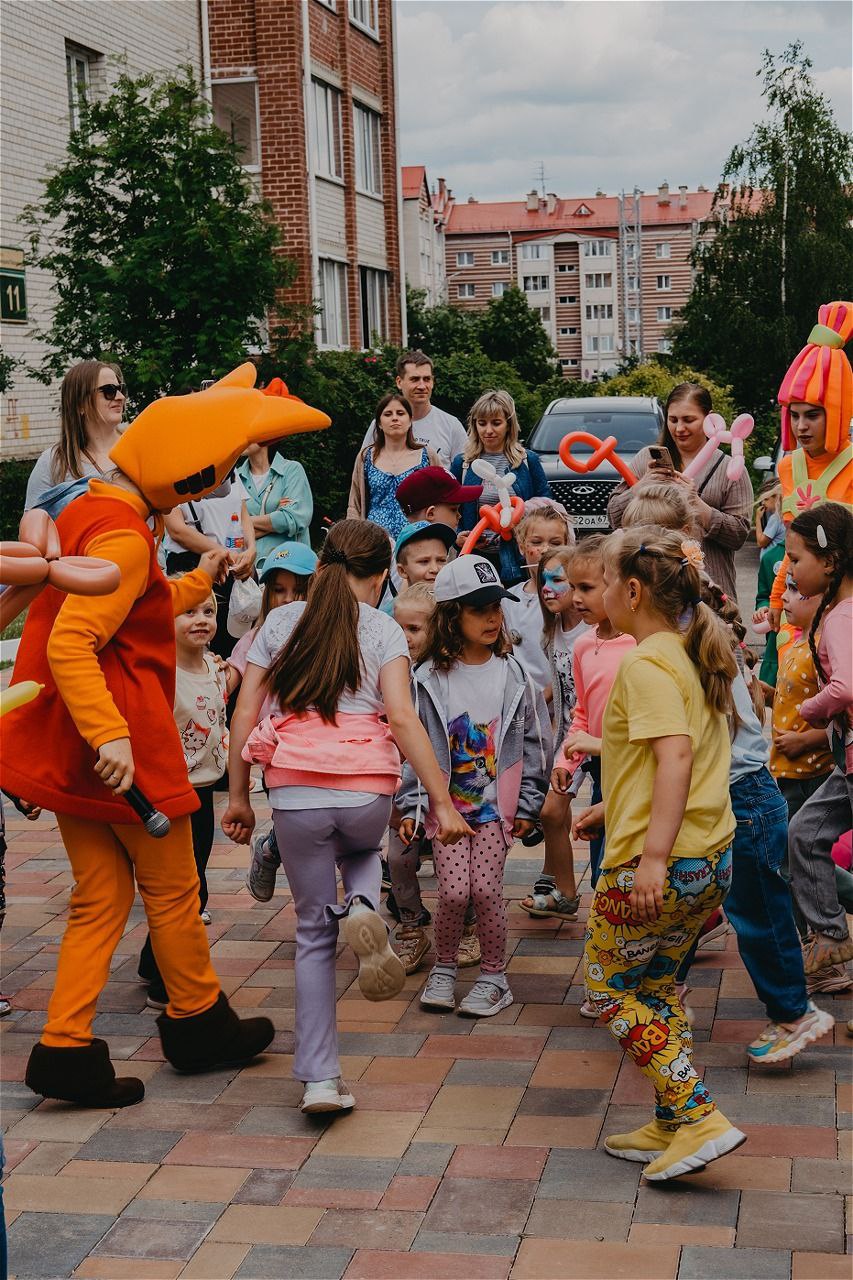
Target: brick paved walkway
{"points": [[475, 1148]]}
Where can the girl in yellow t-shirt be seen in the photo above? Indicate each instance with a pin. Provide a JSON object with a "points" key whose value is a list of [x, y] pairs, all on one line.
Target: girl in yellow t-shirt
{"points": [[667, 864]]}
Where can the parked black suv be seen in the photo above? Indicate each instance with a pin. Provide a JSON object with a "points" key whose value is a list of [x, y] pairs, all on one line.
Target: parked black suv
{"points": [[635, 421]]}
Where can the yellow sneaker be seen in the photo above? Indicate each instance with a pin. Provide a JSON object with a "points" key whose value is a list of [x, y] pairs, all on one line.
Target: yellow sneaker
{"points": [[694, 1146], [643, 1145]]}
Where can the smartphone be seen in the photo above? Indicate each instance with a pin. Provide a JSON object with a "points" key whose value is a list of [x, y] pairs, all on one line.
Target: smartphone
{"points": [[660, 457]]}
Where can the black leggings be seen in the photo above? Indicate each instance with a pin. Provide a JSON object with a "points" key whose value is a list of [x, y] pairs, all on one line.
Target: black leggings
{"points": [[202, 828]]}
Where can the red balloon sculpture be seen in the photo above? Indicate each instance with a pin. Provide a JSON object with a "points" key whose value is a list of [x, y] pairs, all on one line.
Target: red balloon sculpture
{"points": [[37, 561], [603, 451]]}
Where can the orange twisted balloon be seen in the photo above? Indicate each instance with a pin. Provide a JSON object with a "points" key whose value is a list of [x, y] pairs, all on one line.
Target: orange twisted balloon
{"points": [[37, 561], [604, 450], [490, 518]]}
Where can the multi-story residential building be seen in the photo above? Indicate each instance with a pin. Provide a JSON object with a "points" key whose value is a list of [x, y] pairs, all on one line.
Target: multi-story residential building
{"points": [[308, 88], [607, 274], [423, 236], [49, 53]]}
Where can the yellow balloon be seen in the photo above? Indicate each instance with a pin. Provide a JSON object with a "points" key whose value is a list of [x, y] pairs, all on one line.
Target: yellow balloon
{"points": [[18, 695]]}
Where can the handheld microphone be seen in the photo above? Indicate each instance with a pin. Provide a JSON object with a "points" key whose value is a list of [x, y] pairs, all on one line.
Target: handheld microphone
{"points": [[155, 822]]}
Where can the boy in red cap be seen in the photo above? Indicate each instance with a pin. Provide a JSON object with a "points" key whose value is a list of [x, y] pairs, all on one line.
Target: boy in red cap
{"points": [[433, 494]]}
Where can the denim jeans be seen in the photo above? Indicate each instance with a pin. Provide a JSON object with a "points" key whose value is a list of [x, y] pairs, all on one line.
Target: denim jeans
{"points": [[759, 903], [596, 845]]}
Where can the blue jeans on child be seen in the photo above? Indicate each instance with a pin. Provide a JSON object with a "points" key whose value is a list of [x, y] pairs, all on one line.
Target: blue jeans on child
{"points": [[759, 903], [596, 845]]}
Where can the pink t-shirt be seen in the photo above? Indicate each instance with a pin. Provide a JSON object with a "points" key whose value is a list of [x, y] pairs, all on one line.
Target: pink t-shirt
{"points": [[594, 674], [835, 650]]}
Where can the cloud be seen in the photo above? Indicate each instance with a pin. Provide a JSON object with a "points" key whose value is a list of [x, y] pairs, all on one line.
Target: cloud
{"points": [[607, 94]]}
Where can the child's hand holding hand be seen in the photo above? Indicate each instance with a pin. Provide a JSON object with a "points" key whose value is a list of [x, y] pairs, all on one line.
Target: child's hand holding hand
{"points": [[581, 744], [215, 563], [522, 827], [760, 615], [646, 898], [589, 822], [238, 821], [791, 744], [560, 780]]}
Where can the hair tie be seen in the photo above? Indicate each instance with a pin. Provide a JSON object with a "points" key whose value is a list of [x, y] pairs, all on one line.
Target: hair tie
{"points": [[332, 555], [820, 534]]}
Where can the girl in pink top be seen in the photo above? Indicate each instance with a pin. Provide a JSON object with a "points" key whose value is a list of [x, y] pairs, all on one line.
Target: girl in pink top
{"points": [[598, 653], [820, 552]]}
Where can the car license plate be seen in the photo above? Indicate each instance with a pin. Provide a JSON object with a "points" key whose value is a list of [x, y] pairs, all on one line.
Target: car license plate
{"points": [[591, 522]]}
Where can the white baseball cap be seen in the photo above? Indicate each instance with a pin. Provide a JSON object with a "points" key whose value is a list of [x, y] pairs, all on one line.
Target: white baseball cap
{"points": [[471, 580]]}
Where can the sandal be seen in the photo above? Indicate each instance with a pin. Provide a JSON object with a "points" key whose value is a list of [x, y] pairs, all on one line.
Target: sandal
{"points": [[545, 893]]}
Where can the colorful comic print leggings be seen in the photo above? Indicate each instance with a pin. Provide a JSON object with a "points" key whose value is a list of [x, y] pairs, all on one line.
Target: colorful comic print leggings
{"points": [[630, 969], [472, 869]]}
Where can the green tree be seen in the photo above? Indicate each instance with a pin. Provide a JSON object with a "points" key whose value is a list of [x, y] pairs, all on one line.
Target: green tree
{"points": [[783, 241], [163, 257], [441, 330], [510, 330]]}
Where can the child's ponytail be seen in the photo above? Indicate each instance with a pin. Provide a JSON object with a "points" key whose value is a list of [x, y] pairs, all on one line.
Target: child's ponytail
{"points": [[827, 531], [664, 563], [322, 657]]}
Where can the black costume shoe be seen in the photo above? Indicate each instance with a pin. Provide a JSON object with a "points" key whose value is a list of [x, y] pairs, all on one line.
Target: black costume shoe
{"points": [[84, 1075], [214, 1038]]}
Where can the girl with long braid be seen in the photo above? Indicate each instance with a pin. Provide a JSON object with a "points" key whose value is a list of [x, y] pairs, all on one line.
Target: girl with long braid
{"points": [[820, 551]]}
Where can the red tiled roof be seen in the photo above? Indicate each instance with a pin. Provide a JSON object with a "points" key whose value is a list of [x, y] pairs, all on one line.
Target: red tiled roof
{"points": [[413, 178], [513, 215]]}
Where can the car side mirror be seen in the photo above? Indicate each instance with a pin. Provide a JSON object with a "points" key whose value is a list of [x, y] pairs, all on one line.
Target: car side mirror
{"points": [[764, 463]]}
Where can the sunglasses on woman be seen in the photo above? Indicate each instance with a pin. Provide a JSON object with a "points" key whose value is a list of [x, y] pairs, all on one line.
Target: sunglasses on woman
{"points": [[111, 389]]}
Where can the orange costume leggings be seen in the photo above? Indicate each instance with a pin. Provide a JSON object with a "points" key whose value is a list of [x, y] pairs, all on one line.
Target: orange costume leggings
{"points": [[105, 859]]}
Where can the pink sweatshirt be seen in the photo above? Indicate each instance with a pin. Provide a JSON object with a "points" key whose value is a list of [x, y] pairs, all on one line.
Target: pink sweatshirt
{"points": [[594, 674], [835, 650]]}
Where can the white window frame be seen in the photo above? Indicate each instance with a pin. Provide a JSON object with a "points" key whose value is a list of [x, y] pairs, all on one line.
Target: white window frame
{"points": [[664, 283], [665, 346], [534, 252], [633, 284], [663, 250], [596, 248], [632, 252], [567, 300], [329, 4], [500, 257], [499, 288], [529, 285], [599, 311], [465, 258], [326, 106], [254, 167], [367, 132], [633, 315], [598, 280], [333, 321], [77, 59], [466, 291], [664, 314], [599, 344], [374, 302], [364, 14]]}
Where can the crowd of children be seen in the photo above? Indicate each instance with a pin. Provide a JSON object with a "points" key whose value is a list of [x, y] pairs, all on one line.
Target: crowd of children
{"points": [[403, 705]]}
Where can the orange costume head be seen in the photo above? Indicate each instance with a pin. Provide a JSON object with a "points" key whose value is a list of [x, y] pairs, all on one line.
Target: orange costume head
{"points": [[821, 374], [183, 447]]}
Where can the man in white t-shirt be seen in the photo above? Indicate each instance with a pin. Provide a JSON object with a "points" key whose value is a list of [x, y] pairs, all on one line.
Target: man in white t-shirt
{"points": [[432, 426]]}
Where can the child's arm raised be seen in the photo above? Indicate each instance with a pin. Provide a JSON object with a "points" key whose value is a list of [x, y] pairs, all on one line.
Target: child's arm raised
{"points": [[412, 739], [674, 758]]}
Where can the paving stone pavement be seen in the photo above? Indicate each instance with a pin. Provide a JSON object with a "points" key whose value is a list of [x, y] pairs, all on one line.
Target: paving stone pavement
{"points": [[476, 1148]]}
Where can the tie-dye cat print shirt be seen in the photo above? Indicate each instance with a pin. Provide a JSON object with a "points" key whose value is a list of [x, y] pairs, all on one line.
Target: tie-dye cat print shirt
{"points": [[474, 697]]}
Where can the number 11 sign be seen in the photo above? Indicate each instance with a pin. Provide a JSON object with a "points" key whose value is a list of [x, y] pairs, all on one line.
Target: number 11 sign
{"points": [[13, 297]]}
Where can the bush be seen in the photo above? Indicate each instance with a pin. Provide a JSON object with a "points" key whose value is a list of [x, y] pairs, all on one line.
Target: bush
{"points": [[14, 475]]}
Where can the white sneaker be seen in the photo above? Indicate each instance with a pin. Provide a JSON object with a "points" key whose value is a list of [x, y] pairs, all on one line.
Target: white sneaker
{"points": [[439, 992], [326, 1095], [205, 916], [380, 970], [485, 999]]}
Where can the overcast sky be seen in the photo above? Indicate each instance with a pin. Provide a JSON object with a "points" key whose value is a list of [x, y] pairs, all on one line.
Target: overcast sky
{"points": [[606, 93]]}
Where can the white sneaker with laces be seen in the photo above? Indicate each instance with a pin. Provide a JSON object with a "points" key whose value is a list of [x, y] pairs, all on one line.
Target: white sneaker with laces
{"points": [[439, 992], [326, 1095], [485, 999]]}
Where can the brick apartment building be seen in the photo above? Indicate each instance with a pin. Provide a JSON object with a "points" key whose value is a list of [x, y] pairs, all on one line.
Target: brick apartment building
{"points": [[48, 52], [607, 274], [308, 88], [423, 236]]}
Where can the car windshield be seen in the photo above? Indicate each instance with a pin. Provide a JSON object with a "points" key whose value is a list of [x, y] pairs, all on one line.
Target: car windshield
{"points": [[632, 430]]}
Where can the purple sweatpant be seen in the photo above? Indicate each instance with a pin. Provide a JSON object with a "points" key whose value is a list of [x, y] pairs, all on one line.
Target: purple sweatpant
{"points": [[312, 842]]}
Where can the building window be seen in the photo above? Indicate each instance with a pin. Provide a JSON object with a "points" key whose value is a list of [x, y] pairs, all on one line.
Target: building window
{"points": [[599, 343], [568, 364], [235, 111], [499, 288], [368, 157], [329, 4], [632, 251], [664, 346], [633, 284], [566, 267], [374, 304], [599, 311], [596, 248], [633, 315], [663, 250], [328, 142], [566, 299], [465, 259], [365, 14], [536, 284], [466, 291], [598, 280], [664, 313], [664, 282], [78, 64], [334, 316], [500, 257], [544, 314], [567, 331], [533, 252]]}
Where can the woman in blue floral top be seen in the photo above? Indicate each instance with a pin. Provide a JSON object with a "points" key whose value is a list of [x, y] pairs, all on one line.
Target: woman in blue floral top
{"points": [[384, 464]]}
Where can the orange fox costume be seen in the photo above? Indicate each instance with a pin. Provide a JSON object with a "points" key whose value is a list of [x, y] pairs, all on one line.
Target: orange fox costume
{"points": [[108, 667], [821, 375]]}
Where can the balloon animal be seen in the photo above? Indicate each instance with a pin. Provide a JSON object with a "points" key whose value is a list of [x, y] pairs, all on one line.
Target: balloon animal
{"points": [[603, 450], [506, 512], [716, 431]]}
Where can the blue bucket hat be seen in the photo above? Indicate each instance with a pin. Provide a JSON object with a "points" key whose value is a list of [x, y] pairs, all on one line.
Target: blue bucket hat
{"points": [[423, 529], [294, 556]]}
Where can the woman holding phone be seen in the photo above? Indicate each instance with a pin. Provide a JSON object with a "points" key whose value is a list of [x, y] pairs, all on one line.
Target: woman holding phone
{"points": [[722, 507]]}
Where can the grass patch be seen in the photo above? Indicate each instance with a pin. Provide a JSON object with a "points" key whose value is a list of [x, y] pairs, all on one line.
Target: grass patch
{"points": [[15, 628]]}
